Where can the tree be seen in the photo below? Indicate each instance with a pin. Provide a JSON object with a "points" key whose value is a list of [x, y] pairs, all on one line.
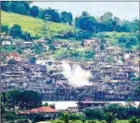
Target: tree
{"points": [[32, 60], [34, 10], [83, 34], [86, 22], [115, 22], [30, 99], [109, 117], [65, 117], [41, 14], [70, 16], [116, 109], [5, 5], [14, 7], [134, 120], [15, 31], [26, 36], [22, 9], [93, 114], [4, 28], [107, 20], [107, 16], [52, 15], [12, 98], [137, 91], [66, 17], [25, 99]]}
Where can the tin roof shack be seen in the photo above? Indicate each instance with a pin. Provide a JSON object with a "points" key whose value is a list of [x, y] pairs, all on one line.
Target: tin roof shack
{"points": [[82, 105]]}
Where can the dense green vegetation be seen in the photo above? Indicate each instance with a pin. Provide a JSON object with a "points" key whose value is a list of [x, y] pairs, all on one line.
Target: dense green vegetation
{"points": [[36, 27], [74, 54], [126, 40], [15, 100], [49, 14], [106, 22], [88, 121], [22, 99], [109, 117]]}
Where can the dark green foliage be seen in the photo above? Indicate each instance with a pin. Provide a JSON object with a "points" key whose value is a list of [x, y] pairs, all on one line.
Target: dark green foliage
{"points": [[22, 9], [82, 34], [30, 99], [134, 120], [66, 17], [17, 7], [32, 60], [14, 7], [4, 28], [24, 100], [26, 36], [65, 117], [92, 121], [5, 5], [52, 15], [107, 22], [128, 42], [38, 48], [122, 112], [77, 116], [93, 114], [137, 91], [34, 10], [86, 22], [109, 117], [38, 118], [15, 31]]}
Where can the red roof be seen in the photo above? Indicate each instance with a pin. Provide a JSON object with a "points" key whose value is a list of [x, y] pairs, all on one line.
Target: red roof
{"points": [[34, 110], [14, 54], [44, 109]]}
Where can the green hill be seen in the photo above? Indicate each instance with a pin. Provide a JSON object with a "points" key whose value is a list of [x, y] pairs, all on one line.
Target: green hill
{"points": [[35, 26]]}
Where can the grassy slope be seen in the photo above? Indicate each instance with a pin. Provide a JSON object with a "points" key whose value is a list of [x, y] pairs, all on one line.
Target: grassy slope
{"points": [[34, 25]]}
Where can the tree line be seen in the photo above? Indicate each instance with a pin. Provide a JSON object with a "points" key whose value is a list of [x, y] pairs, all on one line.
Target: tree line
{"points": [[106, 22], [16, 32], [23, 7]]}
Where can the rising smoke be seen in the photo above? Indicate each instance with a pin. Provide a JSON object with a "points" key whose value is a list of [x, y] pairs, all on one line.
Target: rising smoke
{"points": [[76, 76]]}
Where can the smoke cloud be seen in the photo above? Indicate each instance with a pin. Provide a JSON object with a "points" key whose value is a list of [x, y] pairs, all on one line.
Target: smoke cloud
{"points": [[75, 75]]}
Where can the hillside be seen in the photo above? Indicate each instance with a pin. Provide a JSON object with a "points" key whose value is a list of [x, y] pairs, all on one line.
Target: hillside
{"points": [[35, 26]]}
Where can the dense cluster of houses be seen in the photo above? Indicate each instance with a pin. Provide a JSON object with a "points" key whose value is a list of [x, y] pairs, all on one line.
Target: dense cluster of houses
{"points": [[114, 72]]}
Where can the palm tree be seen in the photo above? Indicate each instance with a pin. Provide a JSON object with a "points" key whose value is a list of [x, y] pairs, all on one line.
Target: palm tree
{"points": [[65, 117], [134, 120], [110, 118]]}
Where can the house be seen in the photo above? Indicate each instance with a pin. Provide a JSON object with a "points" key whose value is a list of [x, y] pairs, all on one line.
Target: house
{"points": [[47, 112], [14, 56], [88, 104], [6, 42], [27, 44], [72, 109], [91, 42], [47, 60]]}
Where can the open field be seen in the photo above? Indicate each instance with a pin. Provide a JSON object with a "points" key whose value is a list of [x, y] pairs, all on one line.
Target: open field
{"points": [[78, 121], [35, 26]]}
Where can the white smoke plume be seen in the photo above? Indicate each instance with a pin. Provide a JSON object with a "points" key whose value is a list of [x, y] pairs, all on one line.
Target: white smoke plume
{"points": [[76, 76]]}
